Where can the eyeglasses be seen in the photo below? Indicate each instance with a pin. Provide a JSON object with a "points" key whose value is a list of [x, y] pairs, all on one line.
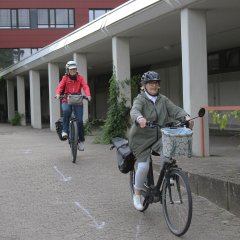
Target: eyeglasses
{"points": [[153, 83]]}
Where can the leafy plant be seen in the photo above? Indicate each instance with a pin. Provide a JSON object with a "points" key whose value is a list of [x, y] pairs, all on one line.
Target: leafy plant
{"points": [[117, 120], [222, 119], [16, 120]]}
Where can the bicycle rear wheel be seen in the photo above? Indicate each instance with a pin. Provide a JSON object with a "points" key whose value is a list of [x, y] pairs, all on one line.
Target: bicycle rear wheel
{"points": [[73, 140], [177, 202], [132, 182]]}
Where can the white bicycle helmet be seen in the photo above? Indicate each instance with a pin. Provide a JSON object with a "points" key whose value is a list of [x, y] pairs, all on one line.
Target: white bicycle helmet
{"points": [[71, 65]]}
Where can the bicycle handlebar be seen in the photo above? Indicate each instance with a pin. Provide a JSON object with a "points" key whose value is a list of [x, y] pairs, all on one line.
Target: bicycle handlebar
{"points": [[171, 124], [201, 113]]}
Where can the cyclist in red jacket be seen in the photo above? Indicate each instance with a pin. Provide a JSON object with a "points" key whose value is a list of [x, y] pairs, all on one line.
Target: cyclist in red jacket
{"points": [[72, 82]]}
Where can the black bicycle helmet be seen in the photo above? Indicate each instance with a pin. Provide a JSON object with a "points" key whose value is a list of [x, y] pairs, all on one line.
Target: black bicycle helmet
{"points": [[150, 76]]}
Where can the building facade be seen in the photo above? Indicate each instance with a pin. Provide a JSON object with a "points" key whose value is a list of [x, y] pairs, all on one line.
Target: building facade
{"points": [[29, 25]]}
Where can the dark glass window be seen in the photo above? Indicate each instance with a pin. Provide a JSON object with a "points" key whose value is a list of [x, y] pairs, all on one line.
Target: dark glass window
{"points": [[224, 61]]}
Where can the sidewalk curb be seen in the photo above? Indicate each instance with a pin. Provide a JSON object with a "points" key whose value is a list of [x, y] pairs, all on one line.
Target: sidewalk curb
{"points": [[224, 194]]}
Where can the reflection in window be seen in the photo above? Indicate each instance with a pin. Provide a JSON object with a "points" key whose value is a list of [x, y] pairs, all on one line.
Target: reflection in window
{"points": [[95, 13], [22, 53]]}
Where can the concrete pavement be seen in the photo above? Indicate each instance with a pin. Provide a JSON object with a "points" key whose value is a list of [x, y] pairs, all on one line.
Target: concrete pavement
{"points": [[44, 196]]}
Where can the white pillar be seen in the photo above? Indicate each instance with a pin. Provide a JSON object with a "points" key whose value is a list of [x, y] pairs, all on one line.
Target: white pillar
{"points": [[54, 106], [121, 65], [194, 66], [81, 60], [21, 98], [10, 99], [35, 99]]}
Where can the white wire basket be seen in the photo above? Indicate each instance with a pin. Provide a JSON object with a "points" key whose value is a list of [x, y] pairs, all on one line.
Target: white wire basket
{"points": [[177, 142]]}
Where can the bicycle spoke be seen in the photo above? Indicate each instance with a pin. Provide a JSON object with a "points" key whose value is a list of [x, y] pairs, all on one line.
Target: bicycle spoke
{"points": [[177, 203]]}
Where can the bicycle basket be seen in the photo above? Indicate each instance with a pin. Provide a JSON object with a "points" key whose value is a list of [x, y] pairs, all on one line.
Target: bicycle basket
{"points": [[59, 127], [177, 142], [125, 157]]}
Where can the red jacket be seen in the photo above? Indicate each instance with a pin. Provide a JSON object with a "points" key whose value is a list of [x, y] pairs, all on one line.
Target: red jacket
{"points": [[67, 86]]}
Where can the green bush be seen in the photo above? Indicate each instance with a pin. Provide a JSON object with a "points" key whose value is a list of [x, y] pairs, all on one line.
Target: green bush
{"points": [[117, 120], [16, 120]]}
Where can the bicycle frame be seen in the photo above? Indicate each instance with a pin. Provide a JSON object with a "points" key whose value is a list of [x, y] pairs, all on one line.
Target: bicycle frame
{"points": [[73, 131], [153, 192]]}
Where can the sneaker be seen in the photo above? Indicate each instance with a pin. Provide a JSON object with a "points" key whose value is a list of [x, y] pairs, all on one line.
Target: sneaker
{"points": [[64, 135], [171, 182], [137, 202], [81, 146]]}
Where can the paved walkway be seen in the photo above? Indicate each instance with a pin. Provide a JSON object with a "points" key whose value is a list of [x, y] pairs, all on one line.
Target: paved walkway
{"points": [[44, 196], [217, 177]]}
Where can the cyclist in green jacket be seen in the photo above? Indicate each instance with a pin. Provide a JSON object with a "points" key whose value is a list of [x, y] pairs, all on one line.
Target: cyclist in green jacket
{"points": [[152, 106]]}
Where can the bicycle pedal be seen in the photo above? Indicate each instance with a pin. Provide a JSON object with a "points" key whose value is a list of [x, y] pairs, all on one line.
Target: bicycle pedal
{"points": [[148, 187]]}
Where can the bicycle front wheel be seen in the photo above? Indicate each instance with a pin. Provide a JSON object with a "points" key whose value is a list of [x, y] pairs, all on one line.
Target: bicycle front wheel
{"points": [[177, 202], [73, 140]]}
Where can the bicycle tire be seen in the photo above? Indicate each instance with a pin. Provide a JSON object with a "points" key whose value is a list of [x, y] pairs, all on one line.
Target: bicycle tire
{"points": [[132, 181], [73, 140], [178, 211]]}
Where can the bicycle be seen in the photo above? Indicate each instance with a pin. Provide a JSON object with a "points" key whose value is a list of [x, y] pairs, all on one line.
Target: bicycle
{"points": [[73, 130], [172, 189]]}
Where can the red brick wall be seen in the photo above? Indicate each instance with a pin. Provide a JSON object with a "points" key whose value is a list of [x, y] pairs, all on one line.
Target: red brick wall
{"points": [[38, 38]]}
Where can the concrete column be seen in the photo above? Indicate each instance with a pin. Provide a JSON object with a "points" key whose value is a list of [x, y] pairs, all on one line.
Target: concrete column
{"points": [[35, 99], [195, 78], [81, 60], [21, 98], [121, 65], [54, 104], [10, 99]]}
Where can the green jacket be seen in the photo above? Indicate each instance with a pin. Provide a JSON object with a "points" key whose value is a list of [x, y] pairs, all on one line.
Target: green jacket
{"points": [[141, 140]]}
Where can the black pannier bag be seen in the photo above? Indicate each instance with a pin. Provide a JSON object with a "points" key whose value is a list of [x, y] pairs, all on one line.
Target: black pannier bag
{"points": [[125, 157], [59, 127]]}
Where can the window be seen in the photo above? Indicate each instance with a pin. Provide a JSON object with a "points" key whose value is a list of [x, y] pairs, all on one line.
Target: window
{"points": [[36, 18], [9, 56], [5, 18], [224, 61], [23, 18], [55, 18], [22, 53], [14, 18], [95, 13]]}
